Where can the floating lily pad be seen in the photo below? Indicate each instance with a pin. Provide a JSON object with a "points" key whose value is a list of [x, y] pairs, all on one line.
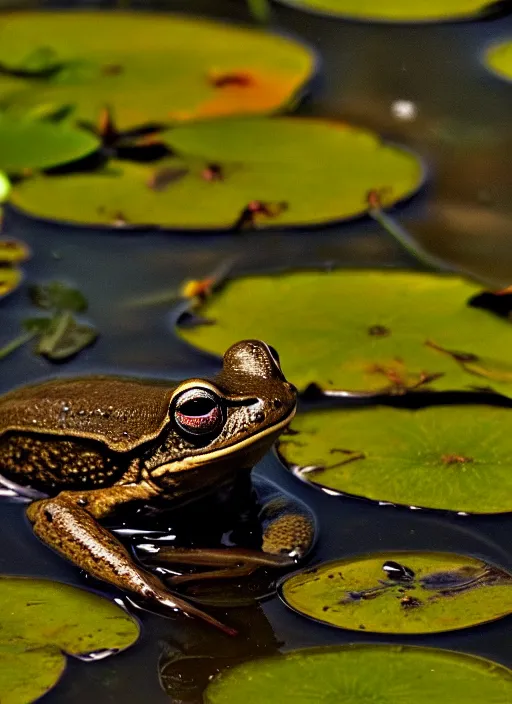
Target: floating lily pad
{"points": [[438, 457], [405, 592], [498, 58], [358, 674], [256, 160], [10, 279], [5, 187], [364, 331], [37, 144], [397, 10], [13, 251], [42, 620], [148, 67]]}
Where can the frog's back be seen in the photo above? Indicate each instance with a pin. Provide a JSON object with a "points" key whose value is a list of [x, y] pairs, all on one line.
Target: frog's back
{"points": [[120, 413]]}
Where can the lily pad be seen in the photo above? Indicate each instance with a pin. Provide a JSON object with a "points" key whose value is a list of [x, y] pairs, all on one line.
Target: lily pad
{"points": [[358, 674], [257, 160], [147, 66], [404, 592], [437, 457], [43, 620], [10, 279], [13, 251], [498, 58], [397, 10], [364, 331], [38, 144]]}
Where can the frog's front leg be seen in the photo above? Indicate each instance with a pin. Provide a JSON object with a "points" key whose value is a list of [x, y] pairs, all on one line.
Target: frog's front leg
{"points": [[68, 523]]}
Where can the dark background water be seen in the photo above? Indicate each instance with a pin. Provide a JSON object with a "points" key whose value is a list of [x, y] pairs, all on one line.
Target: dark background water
{"points": [[464, 215]]}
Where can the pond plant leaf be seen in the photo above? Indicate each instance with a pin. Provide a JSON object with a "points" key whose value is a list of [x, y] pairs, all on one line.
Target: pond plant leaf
{"points": [[42, 621], [364, 331], [420, 11], [357, 674], [498, 58], [147, 66], [58, 296], [401, 592], [244, 172], [27, 144], [437, 457], [60, 335]]}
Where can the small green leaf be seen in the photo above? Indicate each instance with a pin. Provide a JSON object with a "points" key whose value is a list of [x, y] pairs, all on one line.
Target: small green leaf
{"points": [[41, 620], [437, 457], [365, 331], [401, 592], [58, 296], [359, 674], [65, 337]]}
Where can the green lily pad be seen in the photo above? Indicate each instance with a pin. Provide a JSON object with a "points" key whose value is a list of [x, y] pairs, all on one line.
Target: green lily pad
{"points": [[498, 58], [148, 67], [13, 251], [37, 144], [10, 278], [397, 10], [437, 457], [404, 592], [5, 187], [328, 178], [43, 620], [358, 674], [364, 331]]}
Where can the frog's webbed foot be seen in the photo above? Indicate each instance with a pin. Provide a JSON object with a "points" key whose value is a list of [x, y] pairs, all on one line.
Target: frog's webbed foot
{"points": [[67, 523]]}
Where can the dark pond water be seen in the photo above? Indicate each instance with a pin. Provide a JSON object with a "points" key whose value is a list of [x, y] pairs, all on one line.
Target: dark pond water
{"points": [[464, 215]]}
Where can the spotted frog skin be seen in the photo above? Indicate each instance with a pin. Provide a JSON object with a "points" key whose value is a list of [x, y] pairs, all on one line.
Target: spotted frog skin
{"points": [[93, 445]]}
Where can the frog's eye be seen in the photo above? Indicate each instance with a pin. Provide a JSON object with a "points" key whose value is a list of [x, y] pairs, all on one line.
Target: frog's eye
{"points": [[198, 412]]}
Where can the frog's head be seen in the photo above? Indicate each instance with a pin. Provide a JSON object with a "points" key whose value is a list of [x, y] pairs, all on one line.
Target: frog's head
{"points": [[227, 423]]}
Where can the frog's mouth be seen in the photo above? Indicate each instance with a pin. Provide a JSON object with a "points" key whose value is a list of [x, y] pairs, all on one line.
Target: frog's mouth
{"points": [[244, 453]]}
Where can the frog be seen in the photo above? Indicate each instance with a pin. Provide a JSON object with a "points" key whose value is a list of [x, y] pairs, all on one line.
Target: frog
{"points": [[82, 448]]}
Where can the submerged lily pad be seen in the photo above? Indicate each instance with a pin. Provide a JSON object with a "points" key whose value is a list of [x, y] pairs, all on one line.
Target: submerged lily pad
{"points": [[498, 58], [42, 620], [37, 144], [147, 66], [397, 10], [364, 331], [358, 674], [438, 457], [404, 592], [255, 160]]}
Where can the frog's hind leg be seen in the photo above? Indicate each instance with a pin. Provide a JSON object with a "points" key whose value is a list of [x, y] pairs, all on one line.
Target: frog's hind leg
{"points": [[68, 524]]}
